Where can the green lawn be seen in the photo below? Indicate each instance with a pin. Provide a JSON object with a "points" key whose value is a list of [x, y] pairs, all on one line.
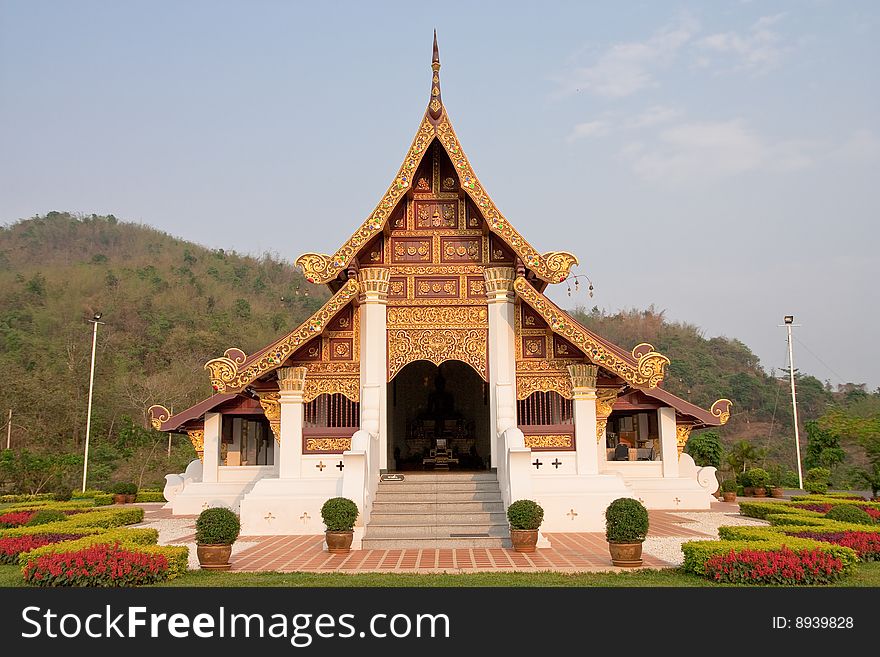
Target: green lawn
{"points": [[866, 574]]}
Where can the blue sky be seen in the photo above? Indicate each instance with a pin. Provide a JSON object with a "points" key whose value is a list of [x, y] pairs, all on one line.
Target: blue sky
{"points": [[718, 160]]}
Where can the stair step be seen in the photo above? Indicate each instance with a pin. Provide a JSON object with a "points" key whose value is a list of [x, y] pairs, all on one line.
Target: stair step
{"points": [[437, 486], [438, 510], [435, 506], [404, 518], [440, 496], [445, 476], [436, 531], [437, 543]]}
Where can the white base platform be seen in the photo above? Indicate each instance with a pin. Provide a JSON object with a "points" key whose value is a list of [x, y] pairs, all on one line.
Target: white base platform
{"points": [[288, 506], [577, 503], [198, 496]]}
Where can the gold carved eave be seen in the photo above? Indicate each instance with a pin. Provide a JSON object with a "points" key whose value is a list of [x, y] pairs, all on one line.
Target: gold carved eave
{"points": [[552, 267], [315, 386], [231, 373], [645, 369], [528, 384]]}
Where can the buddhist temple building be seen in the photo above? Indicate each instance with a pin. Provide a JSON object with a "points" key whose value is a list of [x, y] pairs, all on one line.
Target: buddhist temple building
{"points": [[438, 355]]}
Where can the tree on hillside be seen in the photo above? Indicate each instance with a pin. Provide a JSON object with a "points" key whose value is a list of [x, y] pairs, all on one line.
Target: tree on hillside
{"points": [[823, 448], [705, 448], [743, 455]]}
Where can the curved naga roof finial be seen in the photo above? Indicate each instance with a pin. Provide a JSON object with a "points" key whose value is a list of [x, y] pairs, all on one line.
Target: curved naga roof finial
{"points": [[721, 410], [435, 104]]}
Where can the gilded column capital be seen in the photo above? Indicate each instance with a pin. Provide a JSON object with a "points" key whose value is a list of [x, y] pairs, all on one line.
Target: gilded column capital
{"points": [[682, 433], [499, 281], [583, 375], [374, 283], [291, 379]]}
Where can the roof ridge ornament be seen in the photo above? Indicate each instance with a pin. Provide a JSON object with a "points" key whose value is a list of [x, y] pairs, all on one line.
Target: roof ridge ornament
{"points": [[435, 103]]}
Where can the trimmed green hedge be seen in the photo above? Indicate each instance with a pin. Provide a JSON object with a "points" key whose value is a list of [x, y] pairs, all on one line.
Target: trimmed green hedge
{"points": [[98, 526], [97, 520], [785, 519], [104, 499], [150, 496], [128, 537], [49, 504], [697, 553], [11, 499]]}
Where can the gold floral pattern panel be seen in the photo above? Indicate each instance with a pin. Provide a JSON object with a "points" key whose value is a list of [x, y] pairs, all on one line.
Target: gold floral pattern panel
{"points": [[438, 345]]}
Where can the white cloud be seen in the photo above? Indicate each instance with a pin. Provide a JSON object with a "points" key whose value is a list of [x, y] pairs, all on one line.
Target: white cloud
{"points": [[759, 49], [589, 129], [655, 116], [626, 68], [709, 151]]}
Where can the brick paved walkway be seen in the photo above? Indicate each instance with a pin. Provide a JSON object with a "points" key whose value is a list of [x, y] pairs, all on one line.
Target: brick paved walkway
{"points": [[569, 552]]}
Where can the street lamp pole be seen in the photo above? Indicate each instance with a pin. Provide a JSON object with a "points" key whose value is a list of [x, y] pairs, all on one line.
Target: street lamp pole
{"points": [[95, 322], [789, 323]]}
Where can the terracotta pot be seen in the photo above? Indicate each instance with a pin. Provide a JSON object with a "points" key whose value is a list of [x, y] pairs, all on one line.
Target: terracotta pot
{"points": [[628, 555], [748, 491], [214, 557], [118, 498], [130, 499], [760, 491], [524, 540], [729, 496], [339, 542], [777, 491]]}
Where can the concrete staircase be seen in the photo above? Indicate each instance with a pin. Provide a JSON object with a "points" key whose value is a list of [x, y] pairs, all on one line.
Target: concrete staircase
{"points": [[438, 510]]}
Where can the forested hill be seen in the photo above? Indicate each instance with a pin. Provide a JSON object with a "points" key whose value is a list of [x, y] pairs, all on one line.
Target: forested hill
{"points": [[170, 305]]}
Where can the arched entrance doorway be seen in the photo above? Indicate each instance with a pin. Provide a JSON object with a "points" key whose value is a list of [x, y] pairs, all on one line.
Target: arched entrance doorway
{"points": [[438, 418]]}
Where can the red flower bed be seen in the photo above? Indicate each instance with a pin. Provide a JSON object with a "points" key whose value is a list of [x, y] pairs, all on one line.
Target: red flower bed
{"points": [[10, 548], [15, 519], [782, 566], [866, 544], [99, 565], [814, 506], [871, 511]]}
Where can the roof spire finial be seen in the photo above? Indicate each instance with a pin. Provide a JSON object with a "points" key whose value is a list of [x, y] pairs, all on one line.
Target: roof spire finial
{"points": [[435, 105]]}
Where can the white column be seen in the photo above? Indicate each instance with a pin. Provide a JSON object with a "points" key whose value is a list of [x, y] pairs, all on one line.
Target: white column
{"points": [[668, 441], [211, 457], [583, 388], [374, 352], [291, 384], [502, 353]]}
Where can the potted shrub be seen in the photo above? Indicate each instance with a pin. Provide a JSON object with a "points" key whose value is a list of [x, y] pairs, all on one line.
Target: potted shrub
{"points": [[746, 482], [776, 483], [626, 525], [525, 516], [759, 480], [728, 490], [124, 492], [339, 514], [216, 531]]}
